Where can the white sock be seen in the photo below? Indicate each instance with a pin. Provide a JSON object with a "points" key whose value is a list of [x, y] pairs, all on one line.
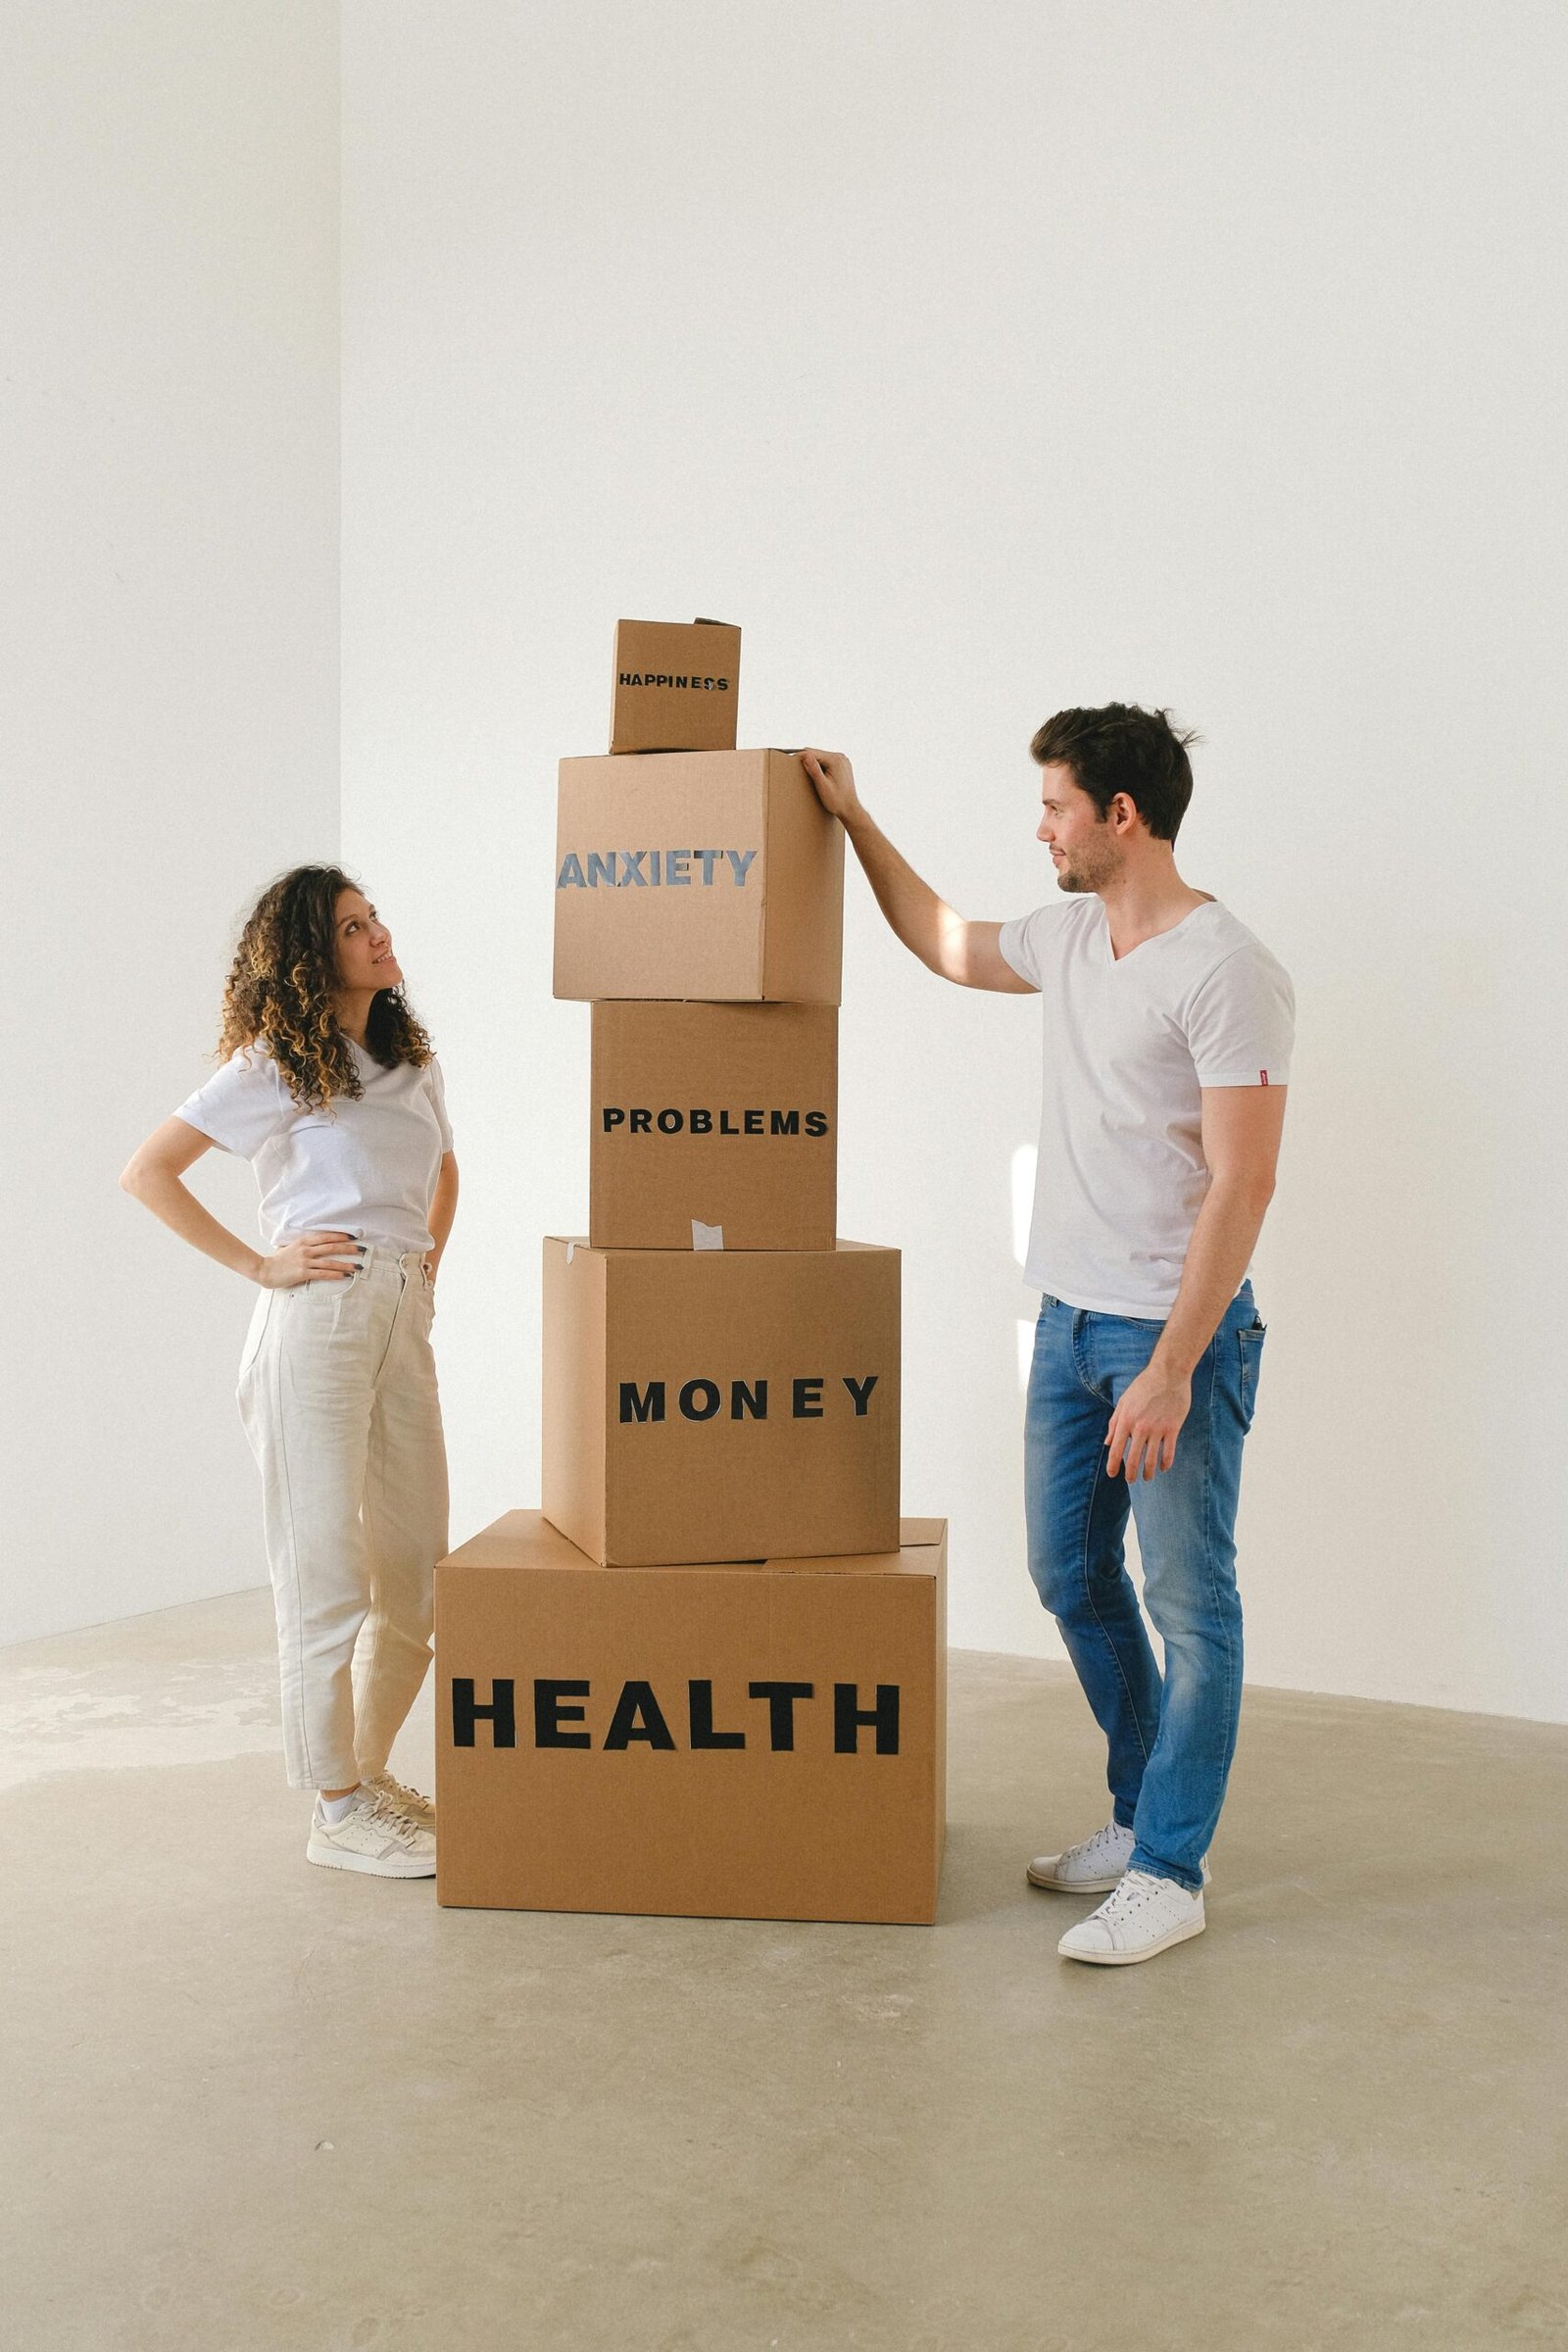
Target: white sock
{"points": [[333, 1808]]}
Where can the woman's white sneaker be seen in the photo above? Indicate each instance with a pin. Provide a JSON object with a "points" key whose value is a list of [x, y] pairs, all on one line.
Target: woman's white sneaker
{"points": [[375, 1837], [407, 1800], [1089, 1867], [1146, 1915]]}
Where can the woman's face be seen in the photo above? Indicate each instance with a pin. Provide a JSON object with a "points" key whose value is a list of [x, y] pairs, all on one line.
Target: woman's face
{"points": [[364, 957]]}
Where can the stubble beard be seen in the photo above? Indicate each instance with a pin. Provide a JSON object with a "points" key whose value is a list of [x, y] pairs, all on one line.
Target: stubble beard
{"points": [[1095, 870]]}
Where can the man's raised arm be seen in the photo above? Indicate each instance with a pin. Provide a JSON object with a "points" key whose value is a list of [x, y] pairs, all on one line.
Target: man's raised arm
{"points": [[952, 947]]}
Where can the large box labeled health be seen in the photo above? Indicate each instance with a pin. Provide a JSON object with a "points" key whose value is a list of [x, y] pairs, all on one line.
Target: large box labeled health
{"points": [[708, 874], [713, 1126], [761, 1740], [720, 1404], [678, 686]]}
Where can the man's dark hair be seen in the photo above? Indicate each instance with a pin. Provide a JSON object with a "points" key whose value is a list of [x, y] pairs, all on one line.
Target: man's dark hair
{"points": [[1123, 749]]}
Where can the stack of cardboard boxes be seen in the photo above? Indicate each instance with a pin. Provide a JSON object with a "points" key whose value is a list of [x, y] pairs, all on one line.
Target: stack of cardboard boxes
{"points": [[708, 1677]]}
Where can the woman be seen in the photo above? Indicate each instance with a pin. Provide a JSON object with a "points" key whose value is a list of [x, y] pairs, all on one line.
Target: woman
{"points": [[331, 1090]]}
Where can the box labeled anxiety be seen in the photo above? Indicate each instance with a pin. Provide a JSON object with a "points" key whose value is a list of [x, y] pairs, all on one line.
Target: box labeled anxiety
{"points": [[720, 1404], [678, 686], [715, 875], [713, 1125], [674, 1740]]}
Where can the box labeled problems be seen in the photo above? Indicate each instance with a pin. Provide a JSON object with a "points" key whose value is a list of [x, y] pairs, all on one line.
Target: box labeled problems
{"points": [[715, 875], [678, 686], [713, 1125], [761, 1740], [720, 1404]]}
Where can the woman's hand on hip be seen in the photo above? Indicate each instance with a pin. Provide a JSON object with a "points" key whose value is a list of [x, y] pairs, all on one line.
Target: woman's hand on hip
{"points": [[313, 1257]]}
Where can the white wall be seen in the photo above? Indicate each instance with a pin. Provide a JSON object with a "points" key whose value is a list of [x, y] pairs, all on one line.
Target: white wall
{"points": [[170, 621], [981, 361]]}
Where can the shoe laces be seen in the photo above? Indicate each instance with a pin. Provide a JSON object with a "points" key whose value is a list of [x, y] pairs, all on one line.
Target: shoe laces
{"points": [[389, 1816], [1134, 1889]]}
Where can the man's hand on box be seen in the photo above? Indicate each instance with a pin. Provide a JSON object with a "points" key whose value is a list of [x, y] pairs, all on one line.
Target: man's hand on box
{"points": [[833, 779]]}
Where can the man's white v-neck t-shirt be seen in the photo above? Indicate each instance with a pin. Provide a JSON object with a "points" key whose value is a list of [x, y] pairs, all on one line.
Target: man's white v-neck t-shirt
{"points": [[1129, 1044]]}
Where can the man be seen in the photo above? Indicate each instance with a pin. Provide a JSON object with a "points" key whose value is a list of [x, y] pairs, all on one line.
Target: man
{"points": [[1167, 1041]]}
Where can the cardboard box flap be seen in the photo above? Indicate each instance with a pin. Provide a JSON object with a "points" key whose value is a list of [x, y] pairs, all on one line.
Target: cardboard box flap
{"points": [[527, 1540], [913, 1531]]}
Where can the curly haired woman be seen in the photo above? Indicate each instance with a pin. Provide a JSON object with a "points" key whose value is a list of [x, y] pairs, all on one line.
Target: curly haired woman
{"points": [[330, 1090]]}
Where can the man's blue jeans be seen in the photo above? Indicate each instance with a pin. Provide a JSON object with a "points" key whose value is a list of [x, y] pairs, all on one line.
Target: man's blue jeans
{"points": [[1171, 1739]]}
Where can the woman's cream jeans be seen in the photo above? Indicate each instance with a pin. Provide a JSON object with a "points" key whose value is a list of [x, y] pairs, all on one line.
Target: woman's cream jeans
{"points": [[337, 1392]]}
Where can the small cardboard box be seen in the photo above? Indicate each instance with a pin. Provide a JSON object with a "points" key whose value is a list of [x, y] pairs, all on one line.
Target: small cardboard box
{"points": [[733, 1742], [709, 874], [713, 1126], [678, 686], [720, 1404]]}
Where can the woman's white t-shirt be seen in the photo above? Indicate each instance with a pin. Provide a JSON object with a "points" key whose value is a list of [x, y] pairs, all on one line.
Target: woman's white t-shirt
{"points": [[1130, 1042], [365, 1166]]}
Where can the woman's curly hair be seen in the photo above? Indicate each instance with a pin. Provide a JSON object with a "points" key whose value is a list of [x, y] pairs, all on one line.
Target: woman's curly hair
{"points": [[280, 992]]}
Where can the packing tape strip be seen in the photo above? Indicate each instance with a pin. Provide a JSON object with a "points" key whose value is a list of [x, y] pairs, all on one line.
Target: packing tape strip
{"points": [[707, 1236]]}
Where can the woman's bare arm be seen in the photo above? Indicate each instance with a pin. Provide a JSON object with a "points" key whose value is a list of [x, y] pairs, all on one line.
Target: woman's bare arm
{"points": [[442, 1209], [152, 1175]]}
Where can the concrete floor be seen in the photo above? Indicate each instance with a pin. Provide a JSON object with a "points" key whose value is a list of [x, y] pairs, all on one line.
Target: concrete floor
{"points": [[248, 2103]]}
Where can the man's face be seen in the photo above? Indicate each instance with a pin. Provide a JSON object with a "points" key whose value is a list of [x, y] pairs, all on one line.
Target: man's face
{"points": [[1082, 846]]}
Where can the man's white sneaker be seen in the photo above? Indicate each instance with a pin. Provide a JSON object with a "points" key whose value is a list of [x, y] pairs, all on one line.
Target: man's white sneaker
{"points": [[1089, 1867], [407, 1800], [1146, 1915], [1093, 1866], [374, 1837]]}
